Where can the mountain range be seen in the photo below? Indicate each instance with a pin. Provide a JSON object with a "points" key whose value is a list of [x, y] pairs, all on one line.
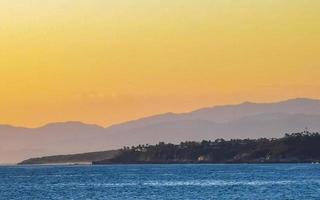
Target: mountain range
{"points": [[246, 120]]}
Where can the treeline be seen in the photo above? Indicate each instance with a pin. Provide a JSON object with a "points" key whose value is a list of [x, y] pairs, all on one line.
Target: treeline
{"points": [[295, 147]]}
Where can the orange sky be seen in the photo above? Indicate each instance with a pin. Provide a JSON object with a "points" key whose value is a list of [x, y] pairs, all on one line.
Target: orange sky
{"points": [[111, 61]]}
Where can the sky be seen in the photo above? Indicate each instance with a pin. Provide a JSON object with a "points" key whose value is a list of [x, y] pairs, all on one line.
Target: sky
{"points": [[110, 61]]}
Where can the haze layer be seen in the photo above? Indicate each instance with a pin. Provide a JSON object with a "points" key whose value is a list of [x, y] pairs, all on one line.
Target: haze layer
{"points": [[111, 61]]}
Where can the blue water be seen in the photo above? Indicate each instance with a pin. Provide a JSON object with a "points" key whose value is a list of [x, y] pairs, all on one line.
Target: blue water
{"points": [[279, 181]]}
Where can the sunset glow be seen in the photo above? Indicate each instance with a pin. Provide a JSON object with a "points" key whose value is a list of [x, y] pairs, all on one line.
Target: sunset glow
{"points": [[110, 61]]}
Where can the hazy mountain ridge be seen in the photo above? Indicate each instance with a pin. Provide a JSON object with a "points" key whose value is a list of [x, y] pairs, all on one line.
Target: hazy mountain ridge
{"points": [[232, 121]]}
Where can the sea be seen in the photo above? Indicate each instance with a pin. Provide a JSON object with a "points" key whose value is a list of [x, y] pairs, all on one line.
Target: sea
{"points": [[190, 181]]}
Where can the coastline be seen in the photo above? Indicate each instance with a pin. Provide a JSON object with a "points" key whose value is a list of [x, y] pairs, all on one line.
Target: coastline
{"points": [[160, 163]]}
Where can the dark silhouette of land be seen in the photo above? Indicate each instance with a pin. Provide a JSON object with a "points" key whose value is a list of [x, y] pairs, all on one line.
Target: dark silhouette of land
{"points": [[74, 158], [246, 120], [292, 148]]}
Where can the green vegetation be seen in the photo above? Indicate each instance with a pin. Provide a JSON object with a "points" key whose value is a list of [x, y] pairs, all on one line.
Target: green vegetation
{"points": [[296, 147]]}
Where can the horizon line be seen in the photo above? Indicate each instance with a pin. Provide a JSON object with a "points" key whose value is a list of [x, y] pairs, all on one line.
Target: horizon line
{"points": [[159, 114]]}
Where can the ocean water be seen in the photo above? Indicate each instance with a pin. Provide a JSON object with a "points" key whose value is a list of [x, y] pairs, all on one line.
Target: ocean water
{"points": [[270, 181]]}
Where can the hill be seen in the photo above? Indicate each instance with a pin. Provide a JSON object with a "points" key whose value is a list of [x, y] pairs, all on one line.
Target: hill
{"points": [[246, 120], [74, 158], [296, 147]]}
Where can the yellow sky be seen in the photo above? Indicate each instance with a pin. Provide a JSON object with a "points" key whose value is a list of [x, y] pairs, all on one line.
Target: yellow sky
{"points": [[109, 61]]}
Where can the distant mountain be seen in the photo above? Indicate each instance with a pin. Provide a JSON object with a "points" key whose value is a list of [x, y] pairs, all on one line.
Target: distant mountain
{"points": [[246, 120], [234, 112]]}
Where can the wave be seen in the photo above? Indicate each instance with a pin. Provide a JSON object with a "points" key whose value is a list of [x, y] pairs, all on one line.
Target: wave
{"points": [[185, 183], [216, 183], [197, 183]]}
